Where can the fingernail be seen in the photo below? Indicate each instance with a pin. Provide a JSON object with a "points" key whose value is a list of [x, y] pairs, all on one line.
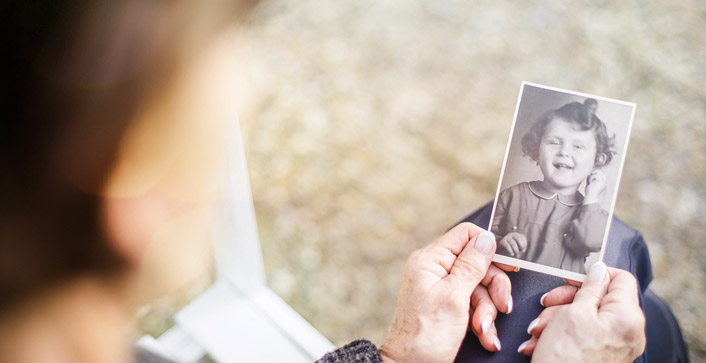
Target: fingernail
{"points": [[517, 269], [485, 325], [496, 343], [541, 299], [509, 304], [532, 325], [522, 346], [596, 273], [485, 242]]}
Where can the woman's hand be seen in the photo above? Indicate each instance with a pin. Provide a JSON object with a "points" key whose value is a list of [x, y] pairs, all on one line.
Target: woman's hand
{"points": [[601, 321], [433, 307]]}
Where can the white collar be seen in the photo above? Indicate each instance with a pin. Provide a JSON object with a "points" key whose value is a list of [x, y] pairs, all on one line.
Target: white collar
{"points": [[539, 190]]}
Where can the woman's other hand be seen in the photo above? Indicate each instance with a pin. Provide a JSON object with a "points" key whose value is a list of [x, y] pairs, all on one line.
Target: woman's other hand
{"points": [[599, 322]]}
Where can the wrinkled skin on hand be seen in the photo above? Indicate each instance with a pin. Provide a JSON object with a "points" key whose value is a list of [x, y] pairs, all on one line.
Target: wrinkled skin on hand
{"points": [[434, 309], [599, 322]]}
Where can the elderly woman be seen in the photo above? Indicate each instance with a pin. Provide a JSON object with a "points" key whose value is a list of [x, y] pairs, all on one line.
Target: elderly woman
{"points": [[112, 116]]}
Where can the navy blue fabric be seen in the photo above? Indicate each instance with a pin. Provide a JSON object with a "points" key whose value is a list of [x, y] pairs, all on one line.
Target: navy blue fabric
{"points": [[664, 340], [625, 250]]}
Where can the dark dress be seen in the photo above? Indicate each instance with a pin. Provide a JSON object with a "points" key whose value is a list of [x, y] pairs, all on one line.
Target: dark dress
{"points": [[560, 231]]}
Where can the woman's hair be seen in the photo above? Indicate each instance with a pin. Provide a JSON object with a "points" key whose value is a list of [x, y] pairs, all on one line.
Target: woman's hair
{"points": [[74, 73], [582, 115]]}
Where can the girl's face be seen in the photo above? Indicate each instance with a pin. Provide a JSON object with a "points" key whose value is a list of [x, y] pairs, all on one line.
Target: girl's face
{"points": [[566, 156]]}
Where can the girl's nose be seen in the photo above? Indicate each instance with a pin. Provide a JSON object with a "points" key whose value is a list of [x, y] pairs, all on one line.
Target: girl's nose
{"points": [[564, 150]]}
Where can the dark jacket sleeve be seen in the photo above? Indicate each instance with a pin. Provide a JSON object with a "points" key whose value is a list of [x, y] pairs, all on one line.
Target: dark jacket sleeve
{"points": [[359, 351]]}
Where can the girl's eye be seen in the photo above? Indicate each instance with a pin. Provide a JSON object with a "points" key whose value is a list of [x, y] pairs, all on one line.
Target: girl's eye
{"points": [[579, 147]]}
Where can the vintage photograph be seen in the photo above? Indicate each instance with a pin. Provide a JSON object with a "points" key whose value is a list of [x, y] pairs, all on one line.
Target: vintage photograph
{"points": [[559, 180]]}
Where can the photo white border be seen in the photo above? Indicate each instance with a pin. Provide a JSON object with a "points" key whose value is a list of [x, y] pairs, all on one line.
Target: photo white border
{"points": [[544, 268]]}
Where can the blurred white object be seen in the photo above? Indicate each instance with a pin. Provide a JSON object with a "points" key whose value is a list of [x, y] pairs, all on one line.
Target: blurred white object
{"points": [[239, 319]]}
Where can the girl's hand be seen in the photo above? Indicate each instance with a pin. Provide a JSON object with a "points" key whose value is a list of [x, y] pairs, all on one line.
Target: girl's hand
{"points": [[595, 187], [515, 244]]}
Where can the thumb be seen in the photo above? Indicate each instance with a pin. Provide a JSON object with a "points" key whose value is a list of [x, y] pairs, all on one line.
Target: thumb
{"points": [[595, 286], [472, 263]]}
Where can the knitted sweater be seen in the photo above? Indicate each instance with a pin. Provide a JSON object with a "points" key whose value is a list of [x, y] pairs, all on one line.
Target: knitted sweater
{"points": [[359, 351]]}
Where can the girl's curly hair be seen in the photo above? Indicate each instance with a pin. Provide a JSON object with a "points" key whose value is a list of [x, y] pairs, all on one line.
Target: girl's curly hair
{"points": [[582, 115]]}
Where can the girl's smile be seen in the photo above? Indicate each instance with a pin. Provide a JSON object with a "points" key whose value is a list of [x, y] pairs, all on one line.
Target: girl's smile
{"points": [[567, 156]]}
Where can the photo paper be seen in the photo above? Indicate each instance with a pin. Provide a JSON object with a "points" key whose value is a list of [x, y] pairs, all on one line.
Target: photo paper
{"points": [[559, 180]]}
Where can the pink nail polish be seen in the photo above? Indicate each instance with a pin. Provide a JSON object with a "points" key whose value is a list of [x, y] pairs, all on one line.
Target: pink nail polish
{"points": [[522, 347], [509, 303]]}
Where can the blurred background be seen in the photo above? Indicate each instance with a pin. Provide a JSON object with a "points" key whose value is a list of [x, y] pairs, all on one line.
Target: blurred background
{"points": [[376, 125]]}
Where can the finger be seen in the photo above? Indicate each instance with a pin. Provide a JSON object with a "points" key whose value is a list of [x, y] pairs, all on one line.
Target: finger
{"points": [[593, 176], [484, 311], [494, 271], [445, 249], [573, 282], [483, 318], [595, 286], [536, 326], [472, 263], [506, 268], [559, 296], [622, 289], [456, 239], [535, 329], [499, 288], [599, 176], [507, 246], [527, 347], [512, 243], [522, 243]]}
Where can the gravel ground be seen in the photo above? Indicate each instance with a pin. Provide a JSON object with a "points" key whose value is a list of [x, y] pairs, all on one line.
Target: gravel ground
{"points": [[378, 124]]}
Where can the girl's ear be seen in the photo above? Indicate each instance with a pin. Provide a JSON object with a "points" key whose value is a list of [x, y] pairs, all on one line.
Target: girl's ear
{"points": [[600, 160]]}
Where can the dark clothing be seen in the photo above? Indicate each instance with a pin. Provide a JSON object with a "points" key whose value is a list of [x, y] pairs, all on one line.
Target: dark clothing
{"points": [[625, 250], [359, 351], [560, 231]]}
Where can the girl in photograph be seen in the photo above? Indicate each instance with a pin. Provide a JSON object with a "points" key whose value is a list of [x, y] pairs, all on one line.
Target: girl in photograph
{"points": [[549, 221]]}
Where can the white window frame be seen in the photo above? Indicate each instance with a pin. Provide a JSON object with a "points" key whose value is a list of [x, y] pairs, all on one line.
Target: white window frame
{"points": [[238, 318]]}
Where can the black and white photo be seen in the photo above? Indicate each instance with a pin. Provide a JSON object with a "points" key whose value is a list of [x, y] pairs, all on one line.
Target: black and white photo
{"points": [[559, 181]]}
